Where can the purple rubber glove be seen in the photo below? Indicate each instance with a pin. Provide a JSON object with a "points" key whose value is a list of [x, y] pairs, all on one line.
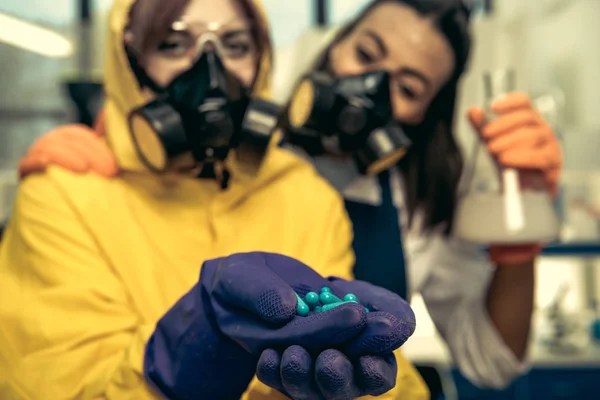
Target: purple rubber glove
{"points": [[333, 376], [364, 366], [390, 321], [208, 344]]}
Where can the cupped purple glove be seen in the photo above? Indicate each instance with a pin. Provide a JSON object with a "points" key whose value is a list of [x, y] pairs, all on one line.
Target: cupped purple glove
{"points": [[208, 344], [331, 376], [253, 301], [363, 366]]}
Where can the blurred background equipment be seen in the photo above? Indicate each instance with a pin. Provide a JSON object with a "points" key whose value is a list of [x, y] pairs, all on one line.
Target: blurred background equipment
{"points": [[566, 332], [84, 85]]}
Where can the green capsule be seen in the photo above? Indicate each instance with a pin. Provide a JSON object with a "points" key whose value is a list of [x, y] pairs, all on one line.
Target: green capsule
{"points": [[325, 289], [329, 298], [302, 309], [350, 297], [318, 309], [328, 307], [312, 299]]}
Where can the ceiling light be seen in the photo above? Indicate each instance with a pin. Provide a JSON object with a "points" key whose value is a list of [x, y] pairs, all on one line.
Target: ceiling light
{"points": [[27, 36]]}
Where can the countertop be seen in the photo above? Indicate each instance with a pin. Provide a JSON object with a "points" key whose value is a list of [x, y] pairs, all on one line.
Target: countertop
{"points": [[432, 350]]}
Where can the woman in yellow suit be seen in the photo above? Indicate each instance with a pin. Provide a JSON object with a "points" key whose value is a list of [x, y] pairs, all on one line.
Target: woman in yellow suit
{"points": [[100, 296]]}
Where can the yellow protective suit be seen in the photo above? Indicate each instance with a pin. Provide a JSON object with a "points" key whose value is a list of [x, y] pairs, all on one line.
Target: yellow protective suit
{"points": [[88, 265]]}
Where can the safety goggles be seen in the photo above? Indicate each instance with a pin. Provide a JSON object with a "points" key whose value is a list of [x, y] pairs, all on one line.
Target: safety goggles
{"points": [[232, 40]]}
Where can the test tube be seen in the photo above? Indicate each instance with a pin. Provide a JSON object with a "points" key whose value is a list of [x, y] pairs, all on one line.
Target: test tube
{"points": [[497, 84]]}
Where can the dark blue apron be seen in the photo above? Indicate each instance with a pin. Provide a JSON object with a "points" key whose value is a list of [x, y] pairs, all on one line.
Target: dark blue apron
{"points": [[378, 241]]}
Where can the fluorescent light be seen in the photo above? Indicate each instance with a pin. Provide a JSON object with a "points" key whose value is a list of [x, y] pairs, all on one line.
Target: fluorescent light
{"points": [[30, 37]]}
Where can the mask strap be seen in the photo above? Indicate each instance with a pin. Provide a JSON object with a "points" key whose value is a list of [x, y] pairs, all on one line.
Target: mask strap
{"points": [[142, 77], [216, 171], [222, 175]]}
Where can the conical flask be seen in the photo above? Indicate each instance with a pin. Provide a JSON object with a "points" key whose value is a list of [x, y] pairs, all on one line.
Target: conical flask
{"points": [[504, 205]]}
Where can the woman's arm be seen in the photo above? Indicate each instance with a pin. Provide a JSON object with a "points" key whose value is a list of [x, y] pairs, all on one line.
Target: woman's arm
{"points": [[509, 303], [517, 138], [456, 295]]}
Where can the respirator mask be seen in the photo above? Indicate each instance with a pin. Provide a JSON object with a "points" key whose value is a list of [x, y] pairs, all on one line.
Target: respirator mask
{"points": [[348, 115], [205, 110]]}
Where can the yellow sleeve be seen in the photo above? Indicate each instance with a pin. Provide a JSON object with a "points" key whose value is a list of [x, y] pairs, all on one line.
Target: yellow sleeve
{"points": [[337, 241], [409, 384], [66, 328]]}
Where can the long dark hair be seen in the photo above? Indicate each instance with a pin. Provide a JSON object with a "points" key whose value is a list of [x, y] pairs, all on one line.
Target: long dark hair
{"points": [[433, 166]]}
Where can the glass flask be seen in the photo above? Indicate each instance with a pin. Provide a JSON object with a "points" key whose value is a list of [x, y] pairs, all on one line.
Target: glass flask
{"points": [[503, 205]]}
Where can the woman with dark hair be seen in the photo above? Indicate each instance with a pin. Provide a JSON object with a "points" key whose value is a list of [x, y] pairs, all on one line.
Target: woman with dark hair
{"points": [[481, 303], [182, 277]]}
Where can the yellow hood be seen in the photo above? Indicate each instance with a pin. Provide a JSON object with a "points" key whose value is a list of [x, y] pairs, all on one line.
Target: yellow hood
{"points": [[122, 90]]}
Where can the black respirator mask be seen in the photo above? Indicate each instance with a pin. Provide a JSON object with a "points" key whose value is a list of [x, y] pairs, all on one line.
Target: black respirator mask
{"points": [[206, 111], [348, 115]]}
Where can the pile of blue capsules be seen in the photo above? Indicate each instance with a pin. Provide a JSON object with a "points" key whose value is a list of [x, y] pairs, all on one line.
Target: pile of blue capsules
{"points": [[322, 302]]}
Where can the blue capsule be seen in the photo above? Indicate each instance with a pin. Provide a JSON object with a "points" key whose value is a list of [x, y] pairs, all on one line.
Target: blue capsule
{"points": [[312, 299], [302, 309]]}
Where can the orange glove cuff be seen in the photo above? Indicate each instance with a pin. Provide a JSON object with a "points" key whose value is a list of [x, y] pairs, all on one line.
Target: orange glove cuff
{"points": [[515, 254]]}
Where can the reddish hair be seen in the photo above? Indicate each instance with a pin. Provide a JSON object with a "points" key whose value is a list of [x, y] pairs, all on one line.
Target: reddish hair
{"points": [[151, 20]]}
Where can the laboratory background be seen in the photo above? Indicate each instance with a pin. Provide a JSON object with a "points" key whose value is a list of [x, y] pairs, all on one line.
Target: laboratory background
{"points": [[50, 75]]}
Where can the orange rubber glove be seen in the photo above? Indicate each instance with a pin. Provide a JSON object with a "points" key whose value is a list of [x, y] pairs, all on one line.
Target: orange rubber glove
{"points": [[519, 138], [74, 147]]}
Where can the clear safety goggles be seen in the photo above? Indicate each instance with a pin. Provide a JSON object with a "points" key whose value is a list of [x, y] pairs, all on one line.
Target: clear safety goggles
{"points": [[232, 40]]}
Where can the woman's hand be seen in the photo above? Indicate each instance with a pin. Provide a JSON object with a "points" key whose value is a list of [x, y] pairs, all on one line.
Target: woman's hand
{"points": [[74, 147], [262, 285], [364, 366], [211, 340], [518, 137]]}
